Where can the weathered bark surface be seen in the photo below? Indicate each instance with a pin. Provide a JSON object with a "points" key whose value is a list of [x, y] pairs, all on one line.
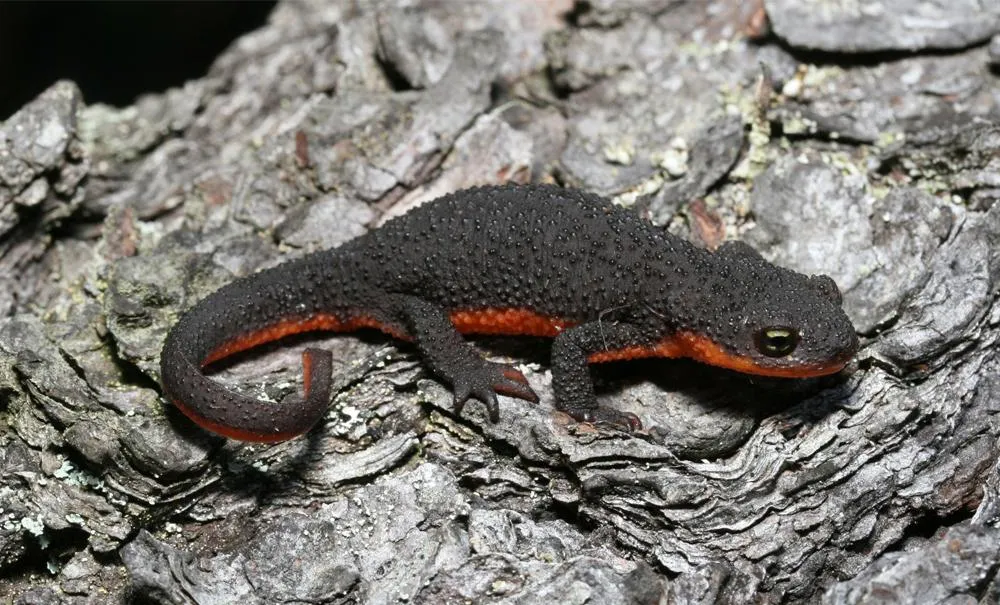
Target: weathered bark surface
{"points": [[880, 485]]}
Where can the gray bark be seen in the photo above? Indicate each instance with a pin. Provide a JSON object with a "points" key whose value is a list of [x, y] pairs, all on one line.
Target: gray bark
{"points": [[879, 485]]}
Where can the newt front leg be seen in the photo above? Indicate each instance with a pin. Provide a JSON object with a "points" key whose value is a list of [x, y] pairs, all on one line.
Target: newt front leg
{"points": [[571, 354], [457, 362]]}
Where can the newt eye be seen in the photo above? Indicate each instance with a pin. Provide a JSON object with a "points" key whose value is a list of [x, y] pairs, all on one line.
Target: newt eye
{"points": [[776, 341]]}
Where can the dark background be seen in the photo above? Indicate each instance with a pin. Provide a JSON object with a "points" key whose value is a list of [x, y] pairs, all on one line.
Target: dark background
{"points": [[115, 51]]}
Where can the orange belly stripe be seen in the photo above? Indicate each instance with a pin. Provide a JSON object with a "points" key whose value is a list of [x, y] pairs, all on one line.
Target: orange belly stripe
{"points": [[522, 322], [668, 347], [703, 349], [288, 327], [510, 322], [231, 432]]}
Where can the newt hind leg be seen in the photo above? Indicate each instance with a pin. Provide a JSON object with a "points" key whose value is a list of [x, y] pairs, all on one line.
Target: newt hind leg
{"points": [[458, 363]]}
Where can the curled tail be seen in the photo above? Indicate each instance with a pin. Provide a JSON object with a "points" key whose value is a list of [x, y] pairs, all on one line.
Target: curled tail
{"points": [[246, 313]]}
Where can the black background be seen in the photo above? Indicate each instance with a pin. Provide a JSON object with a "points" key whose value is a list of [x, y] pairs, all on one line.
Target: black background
{"points": [[115, 51]]}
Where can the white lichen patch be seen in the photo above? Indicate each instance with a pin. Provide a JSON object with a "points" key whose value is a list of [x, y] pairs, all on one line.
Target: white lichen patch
{"points": [[800, 125], [75, 519], [674, 159], [647, 187], [33, 525], [620, 152], [70, 474]]}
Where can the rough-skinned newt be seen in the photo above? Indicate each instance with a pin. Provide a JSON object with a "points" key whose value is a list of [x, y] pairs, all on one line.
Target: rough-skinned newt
{"points": [[517, 260]]}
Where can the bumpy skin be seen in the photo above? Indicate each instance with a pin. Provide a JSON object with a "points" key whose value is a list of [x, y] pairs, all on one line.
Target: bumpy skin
{"points": [[535, 260]]}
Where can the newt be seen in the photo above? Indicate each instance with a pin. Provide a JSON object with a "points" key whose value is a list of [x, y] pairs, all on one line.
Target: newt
{"points": [[535, 260]]}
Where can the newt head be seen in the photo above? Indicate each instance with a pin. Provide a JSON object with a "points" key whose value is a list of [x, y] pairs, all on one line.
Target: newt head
{"points": [[768, 320]]}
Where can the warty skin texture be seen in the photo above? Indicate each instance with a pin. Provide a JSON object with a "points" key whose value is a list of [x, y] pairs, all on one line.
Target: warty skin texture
{"points": [[538, 260]]}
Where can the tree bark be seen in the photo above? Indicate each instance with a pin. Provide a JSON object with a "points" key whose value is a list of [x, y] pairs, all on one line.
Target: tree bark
{"points": [[882, 170]]}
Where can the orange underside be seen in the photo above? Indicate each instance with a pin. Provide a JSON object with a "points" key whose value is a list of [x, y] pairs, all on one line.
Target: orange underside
{"points": [[307, 373], [230, 432], [288, 327], [704, 350], [519, 322], [510, 322]]}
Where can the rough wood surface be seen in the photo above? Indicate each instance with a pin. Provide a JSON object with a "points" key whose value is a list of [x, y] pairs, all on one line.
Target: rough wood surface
{"points": [[878, 486]]}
